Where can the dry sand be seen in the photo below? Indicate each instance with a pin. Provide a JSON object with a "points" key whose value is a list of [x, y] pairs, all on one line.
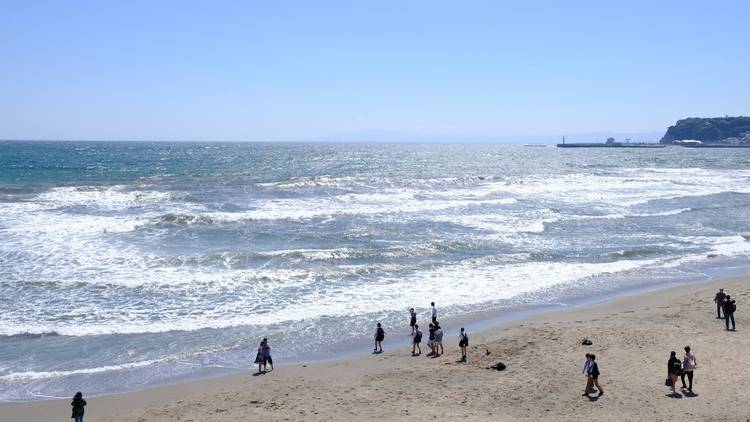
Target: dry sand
{"points": [[632, 337]]}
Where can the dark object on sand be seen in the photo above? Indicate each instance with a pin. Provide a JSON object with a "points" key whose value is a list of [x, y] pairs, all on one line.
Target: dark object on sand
{"points": [[586, 342], [498, 366], [487, 352]]}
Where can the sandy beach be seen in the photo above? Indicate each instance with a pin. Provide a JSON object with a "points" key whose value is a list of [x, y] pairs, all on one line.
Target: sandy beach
{"points": [[632, 337]]}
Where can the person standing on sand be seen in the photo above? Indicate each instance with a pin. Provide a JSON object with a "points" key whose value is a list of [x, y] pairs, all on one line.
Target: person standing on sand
{"points": [[719, 299], [379, 337], [434, 313], [259, 357], [688, 366], [431, 341], [78, 404], [729, 307], [463, 342], [594, 376], [416, 341], [438, 341], [413, 321], [674, 369], [267, 359]]}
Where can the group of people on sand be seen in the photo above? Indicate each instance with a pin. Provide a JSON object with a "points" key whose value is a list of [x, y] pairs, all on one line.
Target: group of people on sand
{"points": [[681, 368], [727, 305], [435, 339]]}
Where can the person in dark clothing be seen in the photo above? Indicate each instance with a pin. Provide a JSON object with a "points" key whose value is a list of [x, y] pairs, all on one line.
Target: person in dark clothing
{"points": [[413, 320], [431, 340], [78, 404], [379, 337], [729, 308], [415, 343], [719, 299], [674, 370], [463, 343], [594, 376]]}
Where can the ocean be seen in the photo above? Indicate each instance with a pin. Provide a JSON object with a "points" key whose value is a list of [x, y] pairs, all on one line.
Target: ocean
{"points": [[125, 265]]}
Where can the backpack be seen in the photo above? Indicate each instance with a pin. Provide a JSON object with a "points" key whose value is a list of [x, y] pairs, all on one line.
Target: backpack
{"points": [[732, 307]]}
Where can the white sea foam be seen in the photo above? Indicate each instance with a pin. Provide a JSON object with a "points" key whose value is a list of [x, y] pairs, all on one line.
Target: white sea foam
{"points": [[40, 375]]}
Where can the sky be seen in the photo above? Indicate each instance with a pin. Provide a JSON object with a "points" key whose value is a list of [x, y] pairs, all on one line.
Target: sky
{"points": [[310, 70]]}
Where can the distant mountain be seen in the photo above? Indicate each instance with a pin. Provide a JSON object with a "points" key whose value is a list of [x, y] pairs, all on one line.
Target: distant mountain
{"points": [[714, 129]]}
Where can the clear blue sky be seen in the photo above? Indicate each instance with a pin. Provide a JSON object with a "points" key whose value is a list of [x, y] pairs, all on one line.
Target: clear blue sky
{"points": [[186, 70]]}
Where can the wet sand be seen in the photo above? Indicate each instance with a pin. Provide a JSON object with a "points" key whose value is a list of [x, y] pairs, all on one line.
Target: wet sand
{"points": [[632, 337]]}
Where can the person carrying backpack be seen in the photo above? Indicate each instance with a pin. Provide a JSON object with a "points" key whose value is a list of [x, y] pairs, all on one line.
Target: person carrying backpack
{"points": [[463, 342], [729, 307]]}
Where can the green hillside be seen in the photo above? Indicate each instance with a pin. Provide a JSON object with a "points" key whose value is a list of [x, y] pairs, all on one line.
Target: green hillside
{"points": [[713, 129]]}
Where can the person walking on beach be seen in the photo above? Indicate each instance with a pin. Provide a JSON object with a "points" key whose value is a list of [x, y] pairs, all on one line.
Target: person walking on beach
{"points": [[78, 404], [415, 343], [267, 359], [431, 341], [594, 376], [463, 343], [434, 313], [413, 321], [729, 307], [719, 299], [379, 337], [674, 369], [688, 366], [589, 381], [438, 341]]}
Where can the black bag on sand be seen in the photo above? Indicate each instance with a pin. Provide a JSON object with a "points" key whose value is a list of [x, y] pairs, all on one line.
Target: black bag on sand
{"points": [[498, 366]]}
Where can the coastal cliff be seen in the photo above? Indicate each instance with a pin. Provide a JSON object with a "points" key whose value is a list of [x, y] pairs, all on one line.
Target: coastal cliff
{"points": [[715, 129]]}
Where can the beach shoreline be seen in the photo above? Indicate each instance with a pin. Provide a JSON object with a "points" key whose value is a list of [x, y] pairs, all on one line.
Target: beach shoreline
{"points": [[632, 335]]}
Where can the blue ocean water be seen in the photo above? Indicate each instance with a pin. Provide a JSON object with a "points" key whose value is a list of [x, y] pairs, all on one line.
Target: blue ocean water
{"points": [[129, 264]]}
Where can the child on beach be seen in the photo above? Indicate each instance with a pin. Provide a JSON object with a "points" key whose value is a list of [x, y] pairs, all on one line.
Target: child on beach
{"points": [[463, 342], [417, 340], [379, 337], [78, 404], [434, 312], [413, 321]]}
